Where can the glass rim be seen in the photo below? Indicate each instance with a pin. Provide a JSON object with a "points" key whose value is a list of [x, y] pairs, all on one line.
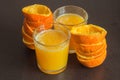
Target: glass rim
{"points": [[85, 20], [42, 31]]}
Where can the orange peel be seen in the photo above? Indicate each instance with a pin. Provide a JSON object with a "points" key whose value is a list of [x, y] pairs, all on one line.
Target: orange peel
{"points": [[90, 48], [88, 34], [33, 24], [29, 45], [92, 54], [28, 29], [94, 62], [26, 37], [36, 12]]}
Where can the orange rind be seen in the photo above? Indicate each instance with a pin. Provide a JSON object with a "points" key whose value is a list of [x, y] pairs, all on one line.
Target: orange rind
{"points": [[26, 37], [90, 48], [92, 54], [34, 24], [37, 12], [88, 34], [29, 45], [28, 29], [94, 62]]}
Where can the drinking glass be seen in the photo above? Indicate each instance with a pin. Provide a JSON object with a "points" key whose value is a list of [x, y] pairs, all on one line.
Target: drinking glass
{"points": [[51, 47], [70, 16]]}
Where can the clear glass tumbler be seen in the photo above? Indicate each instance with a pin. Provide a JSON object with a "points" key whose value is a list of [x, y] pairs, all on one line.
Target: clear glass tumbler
{"points": [[70, 16], [51, 47]]}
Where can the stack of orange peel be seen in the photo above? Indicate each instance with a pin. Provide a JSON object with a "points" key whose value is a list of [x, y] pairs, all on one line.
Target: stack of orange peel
{"points": [[90, 44], [34, 16]]}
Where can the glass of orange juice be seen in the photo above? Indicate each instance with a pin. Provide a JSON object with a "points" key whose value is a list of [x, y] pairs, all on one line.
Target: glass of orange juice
{"points": [[70, 16], [51, 47]]}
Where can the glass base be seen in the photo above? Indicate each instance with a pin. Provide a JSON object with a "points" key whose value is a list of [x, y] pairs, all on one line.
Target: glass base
{"points": [[71, 51], [52, 71]]}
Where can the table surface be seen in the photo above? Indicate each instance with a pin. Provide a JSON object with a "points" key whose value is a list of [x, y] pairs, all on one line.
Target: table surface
{"points": [[19, 63]]}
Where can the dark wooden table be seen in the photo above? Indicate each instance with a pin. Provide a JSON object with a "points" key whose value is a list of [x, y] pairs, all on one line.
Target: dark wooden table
{"points": [[19, 63]]}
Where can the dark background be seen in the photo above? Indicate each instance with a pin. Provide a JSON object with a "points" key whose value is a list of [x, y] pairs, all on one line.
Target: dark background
{"points": [[18, 62]]}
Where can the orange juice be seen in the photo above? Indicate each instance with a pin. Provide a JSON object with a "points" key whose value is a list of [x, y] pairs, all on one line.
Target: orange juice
{"points": [[70, 20], [51, 48]]}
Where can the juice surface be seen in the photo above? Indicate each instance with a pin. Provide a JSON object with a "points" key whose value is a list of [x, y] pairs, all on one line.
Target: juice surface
{"points": [[70, 20], [51, 37], [52, 57]]}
